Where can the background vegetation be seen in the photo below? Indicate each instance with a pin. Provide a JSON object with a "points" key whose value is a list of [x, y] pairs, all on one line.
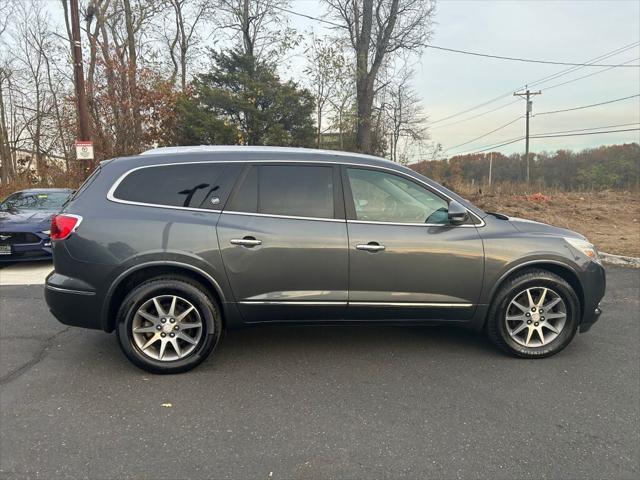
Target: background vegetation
{"points": [[183, 72]]}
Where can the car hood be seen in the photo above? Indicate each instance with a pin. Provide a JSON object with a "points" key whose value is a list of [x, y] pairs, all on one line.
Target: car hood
{"points": [[530, 226], [20, 220]]}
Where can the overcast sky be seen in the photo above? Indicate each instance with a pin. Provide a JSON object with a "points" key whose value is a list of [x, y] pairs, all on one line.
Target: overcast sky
{"points": [[568, 31]]}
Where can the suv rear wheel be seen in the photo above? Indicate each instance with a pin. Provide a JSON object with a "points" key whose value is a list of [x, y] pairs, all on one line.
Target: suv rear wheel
{"points": [[168, 325], [534, 314]]}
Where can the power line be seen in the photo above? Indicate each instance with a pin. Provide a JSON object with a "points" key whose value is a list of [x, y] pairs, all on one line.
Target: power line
{"points": [[586, 133], [517, 59], [558, 134], [475, 116], [586, 129], [486, 134], [310, 17], [465, 52], [588, 75], [587, 106], [539, 81], [567, 71], [491, 147]]}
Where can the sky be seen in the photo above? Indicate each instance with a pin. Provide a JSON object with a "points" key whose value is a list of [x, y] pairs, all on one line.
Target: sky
{"points": [[566, 31]]}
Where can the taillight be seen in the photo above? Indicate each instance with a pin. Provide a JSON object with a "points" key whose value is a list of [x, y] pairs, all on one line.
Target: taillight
{"points": [[64, 225]]}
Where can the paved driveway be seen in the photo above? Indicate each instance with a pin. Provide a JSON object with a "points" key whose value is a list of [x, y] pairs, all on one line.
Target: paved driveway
{"points": [[314, 403]]}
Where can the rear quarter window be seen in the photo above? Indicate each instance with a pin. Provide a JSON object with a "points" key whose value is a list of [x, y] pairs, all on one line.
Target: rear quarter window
{"points": [[195, 185]]}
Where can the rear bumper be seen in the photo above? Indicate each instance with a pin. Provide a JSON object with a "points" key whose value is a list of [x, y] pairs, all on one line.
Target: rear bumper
{"points": [[71, 306]]}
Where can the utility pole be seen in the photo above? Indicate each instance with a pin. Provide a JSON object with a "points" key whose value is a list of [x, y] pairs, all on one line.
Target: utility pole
{"points": [[78, 71], [490, 167], [527, 95]]}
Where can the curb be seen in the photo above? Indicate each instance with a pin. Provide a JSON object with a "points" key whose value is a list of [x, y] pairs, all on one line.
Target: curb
{"points": [[633, 262]]}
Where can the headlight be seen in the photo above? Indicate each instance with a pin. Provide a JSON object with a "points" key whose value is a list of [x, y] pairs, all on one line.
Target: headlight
{"points": [[46, 232], [584, 247]]}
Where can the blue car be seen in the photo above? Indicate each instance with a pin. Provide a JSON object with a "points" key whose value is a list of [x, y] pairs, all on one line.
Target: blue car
{"points": [[25, 219]]}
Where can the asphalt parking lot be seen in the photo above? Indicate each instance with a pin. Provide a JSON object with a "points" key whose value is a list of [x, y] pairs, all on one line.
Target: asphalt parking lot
{"points": [[338, 402]]}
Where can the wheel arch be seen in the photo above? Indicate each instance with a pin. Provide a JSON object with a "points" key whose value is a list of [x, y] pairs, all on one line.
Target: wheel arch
{"points": [[563, 270], [137, 274]]}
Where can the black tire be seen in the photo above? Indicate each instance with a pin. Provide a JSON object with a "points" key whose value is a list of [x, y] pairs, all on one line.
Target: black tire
{"points": [[532, 278], [169, 285]]}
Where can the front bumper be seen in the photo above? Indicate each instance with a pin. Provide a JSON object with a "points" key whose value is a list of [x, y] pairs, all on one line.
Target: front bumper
{"points": [[24, 252], [594, 285], [589, 319]]}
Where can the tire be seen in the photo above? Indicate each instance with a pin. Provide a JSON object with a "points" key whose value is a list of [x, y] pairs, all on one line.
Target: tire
{"points": [[177, 344], [515, 329]]}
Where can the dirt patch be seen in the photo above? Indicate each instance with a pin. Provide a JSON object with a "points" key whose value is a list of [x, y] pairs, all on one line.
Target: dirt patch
{"points": [[611, 220]]}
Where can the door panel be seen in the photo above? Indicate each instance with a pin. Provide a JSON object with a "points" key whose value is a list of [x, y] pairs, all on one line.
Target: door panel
{"points": [[405, 260], [297, 272], [440, 266]]}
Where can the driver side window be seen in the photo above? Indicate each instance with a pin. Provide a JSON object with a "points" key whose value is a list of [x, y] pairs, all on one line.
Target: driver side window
{"points": [[384, 197]]}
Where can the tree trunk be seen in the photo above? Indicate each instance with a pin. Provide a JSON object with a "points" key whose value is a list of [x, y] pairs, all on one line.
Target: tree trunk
{"points": [[133, 69], [5, 149], [319, 127], [364, 94]]}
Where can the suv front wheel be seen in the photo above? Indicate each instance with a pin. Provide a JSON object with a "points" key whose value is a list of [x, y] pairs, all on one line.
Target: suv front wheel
{"points": [[168, 325], [534, 314]]}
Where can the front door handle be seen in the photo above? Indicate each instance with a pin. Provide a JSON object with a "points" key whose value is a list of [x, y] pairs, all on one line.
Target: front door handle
{"points": [[246, 242], [370, 247]]}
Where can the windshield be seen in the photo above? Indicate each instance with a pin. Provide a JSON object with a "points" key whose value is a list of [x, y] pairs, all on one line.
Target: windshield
{"points": [[35, 201]]}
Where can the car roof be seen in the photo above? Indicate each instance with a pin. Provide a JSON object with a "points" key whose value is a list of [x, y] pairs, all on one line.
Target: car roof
{"points": [[249, 152], [253, 149]]}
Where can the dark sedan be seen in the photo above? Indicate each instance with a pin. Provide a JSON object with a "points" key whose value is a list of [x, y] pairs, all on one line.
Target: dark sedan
{"points": [[25, 219]]}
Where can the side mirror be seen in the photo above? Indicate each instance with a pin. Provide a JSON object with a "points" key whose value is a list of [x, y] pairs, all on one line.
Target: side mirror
{"points": [[457, 213]]}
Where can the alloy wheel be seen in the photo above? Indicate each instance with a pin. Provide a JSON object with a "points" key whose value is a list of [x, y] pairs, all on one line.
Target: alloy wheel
{"points": [[167, 328], [535, 317]]}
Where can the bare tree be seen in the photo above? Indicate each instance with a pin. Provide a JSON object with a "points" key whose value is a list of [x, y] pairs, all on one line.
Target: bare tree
{"points": [[324, 71], [120, 36], [186, 17], [404, 115], [377, 29], [259, 27]]}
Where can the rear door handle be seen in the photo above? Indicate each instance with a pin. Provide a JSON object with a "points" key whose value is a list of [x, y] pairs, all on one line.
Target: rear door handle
{"points": [[370, 247], [246, 242]]}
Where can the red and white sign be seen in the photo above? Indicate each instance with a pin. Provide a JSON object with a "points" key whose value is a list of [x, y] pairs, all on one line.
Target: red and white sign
{"points": [[84, 150]]}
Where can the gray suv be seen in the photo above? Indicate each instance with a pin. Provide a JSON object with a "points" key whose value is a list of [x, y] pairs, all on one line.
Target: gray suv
{"points": [[171, 247]]}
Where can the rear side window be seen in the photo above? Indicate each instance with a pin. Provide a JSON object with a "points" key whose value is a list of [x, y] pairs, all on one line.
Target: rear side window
{"points": [[195, 185], [299, 191]]}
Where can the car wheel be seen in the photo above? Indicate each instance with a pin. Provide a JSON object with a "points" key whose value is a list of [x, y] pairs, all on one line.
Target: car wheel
{"points": [[168, 325], [534, 314]]}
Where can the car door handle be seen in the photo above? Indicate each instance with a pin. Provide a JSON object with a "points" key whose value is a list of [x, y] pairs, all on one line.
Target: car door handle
{"points": [[246, 242], [370, 247]]}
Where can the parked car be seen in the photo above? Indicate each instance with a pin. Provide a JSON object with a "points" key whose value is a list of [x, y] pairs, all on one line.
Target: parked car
{"points": [[25, 218], [170, 247]]}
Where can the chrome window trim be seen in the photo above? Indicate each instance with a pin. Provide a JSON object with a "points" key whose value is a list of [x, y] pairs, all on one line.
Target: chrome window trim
{"points": [[113, 188], [372, 222], [112, 198], [290, 217]]}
